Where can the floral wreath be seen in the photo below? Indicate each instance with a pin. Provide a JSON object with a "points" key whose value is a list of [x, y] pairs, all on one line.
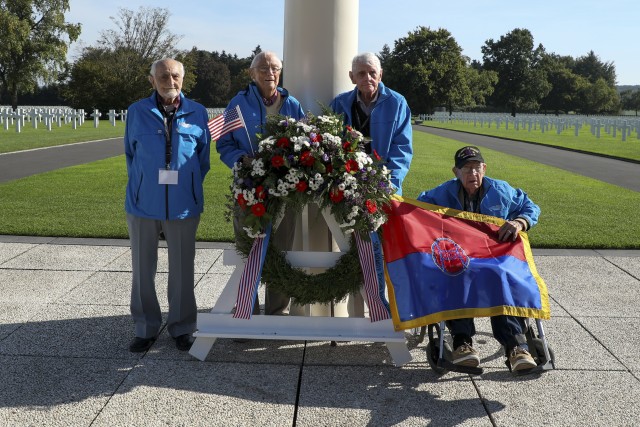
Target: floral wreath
{"points": [[313, 160]]}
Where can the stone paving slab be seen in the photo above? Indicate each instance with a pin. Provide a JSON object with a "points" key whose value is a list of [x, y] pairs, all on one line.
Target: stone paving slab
{"points": [[387, 396], [65, 328], [48, 391], [159, 392]]}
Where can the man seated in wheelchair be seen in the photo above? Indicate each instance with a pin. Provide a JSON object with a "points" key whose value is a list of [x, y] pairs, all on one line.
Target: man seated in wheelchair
{"points": [[472, 191]]}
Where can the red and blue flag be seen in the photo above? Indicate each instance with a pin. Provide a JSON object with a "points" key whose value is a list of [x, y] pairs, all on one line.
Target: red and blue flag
{"points": [[443, 264]]}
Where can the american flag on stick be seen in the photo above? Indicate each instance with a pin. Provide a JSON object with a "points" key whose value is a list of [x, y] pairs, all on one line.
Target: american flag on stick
{"points": [[226, 122]]}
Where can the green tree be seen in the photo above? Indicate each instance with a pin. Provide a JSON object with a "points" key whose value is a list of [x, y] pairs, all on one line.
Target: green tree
{"points": [[522, 81], [214, 81], [94, 84], [35, 39], [564, 95], [598, 98], [591, 67], [481, 84], [630, 100], [428, 68], [115, 73]]}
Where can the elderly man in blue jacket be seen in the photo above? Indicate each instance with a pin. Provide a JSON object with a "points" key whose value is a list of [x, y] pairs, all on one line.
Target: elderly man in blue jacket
{"points": [[384, 119], [472, 191], [381, 114], [261, 98], [166, 143]]}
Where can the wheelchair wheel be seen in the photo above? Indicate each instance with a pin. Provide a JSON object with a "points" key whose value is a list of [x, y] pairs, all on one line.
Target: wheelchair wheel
{"points": [[433, 353], [540, 358]]}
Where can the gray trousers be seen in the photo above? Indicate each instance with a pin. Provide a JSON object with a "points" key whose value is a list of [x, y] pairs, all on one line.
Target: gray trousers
{"points": [[181, 242]]}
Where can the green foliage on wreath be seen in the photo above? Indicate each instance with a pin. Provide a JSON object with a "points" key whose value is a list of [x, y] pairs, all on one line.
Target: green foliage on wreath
{"points": [[345, 277], [312, 160]]}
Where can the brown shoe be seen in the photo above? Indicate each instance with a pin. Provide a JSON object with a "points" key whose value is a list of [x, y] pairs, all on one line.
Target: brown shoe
{"points": [[520, 359], [465, 355]]}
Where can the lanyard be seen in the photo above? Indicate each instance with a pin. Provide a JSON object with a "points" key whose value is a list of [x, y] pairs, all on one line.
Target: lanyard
{"points": [[168, 122]]}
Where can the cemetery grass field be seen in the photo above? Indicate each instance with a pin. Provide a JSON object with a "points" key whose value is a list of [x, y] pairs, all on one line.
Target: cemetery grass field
{"points": [[30, 138], [88, 200], [585, 141]]}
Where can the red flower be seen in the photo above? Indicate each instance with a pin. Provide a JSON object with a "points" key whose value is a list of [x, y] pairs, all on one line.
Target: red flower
{"points": [[371, 206], [316, 137], [260, 194], [336, 195], [376, 155], [258, 209], [277, 161], [301, 186], [306, 159], [329, 168], [241, 201], [283, 142], [351, 166], [346, 146]]}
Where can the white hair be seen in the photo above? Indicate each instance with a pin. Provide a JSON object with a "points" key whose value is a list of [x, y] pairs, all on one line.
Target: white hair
{"points": [[152, 72], [366, 58], [261, 55]]}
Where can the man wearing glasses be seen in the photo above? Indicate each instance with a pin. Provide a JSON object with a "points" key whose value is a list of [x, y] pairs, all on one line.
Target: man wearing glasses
{"points": [[261, 98], [472, 191]]}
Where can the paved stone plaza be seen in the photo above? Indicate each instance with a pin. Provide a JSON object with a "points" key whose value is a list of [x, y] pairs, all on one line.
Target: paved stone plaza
{"points": [[65, 328]]}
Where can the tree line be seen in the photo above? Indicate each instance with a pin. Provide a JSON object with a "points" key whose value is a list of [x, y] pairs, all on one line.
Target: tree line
{"points": [[427, 66]]}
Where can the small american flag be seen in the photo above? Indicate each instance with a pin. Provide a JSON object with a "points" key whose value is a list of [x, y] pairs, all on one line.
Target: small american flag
{"points": [[226, 122]]}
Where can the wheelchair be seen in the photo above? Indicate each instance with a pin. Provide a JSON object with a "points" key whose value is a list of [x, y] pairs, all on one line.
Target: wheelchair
{"points": [[439, 351]]}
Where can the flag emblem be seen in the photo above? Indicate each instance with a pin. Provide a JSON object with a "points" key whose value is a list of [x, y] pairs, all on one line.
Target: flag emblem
{"points": [[449, 256]]}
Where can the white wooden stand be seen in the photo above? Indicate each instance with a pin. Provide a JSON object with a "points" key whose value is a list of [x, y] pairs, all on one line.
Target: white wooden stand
{"points": [[219, 323]]}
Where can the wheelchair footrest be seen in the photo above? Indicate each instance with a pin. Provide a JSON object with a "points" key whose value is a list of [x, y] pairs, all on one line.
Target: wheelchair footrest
{"points": [[445, 364]]}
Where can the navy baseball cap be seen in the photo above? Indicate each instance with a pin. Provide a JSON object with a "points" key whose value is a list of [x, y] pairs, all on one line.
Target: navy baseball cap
{"points": [[467, 154]]}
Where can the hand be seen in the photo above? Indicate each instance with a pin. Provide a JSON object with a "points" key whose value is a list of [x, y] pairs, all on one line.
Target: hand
{"points": [[509, 231], [246, 161]]}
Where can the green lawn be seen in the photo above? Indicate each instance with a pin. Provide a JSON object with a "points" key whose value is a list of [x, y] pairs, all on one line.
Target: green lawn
{"points": [[29, 138], [88, 200], [606, 144]]}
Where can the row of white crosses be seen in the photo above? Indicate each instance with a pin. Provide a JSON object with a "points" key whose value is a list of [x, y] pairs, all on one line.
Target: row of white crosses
{"points": [[48, 116], [610, 124]]}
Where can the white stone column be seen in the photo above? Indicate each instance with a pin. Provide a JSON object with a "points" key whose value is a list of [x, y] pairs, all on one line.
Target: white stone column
{"points": [[320, 40]]}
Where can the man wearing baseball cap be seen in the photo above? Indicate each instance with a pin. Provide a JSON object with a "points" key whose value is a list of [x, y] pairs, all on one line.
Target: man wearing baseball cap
{"points": [[472, 191]]}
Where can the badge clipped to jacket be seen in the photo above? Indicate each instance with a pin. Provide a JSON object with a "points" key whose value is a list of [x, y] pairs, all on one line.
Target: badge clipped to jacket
{"points": [[167, 176]]}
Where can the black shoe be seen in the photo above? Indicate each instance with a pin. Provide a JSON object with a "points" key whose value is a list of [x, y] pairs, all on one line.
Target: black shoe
{"points": [[140, 345], [184, 342]]}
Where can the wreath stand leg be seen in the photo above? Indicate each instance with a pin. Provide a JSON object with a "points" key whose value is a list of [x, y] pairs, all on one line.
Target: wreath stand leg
{"points": [[219, 323]]}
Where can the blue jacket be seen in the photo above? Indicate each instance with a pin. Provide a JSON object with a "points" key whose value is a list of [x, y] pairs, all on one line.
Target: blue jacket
{"points": [[144, 147], [391, 132], [236, 144], [500, 199]]}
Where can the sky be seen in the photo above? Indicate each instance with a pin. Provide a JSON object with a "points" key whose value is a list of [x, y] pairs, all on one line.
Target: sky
{"points": [[565, 27]]}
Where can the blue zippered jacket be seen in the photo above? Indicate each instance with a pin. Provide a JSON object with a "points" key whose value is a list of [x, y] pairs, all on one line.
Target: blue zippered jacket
{"points": [[500, 199], [144, 147], [236, 144], [391, 132]]}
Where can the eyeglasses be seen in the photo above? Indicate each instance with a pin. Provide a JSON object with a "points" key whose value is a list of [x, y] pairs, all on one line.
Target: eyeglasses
{"points": [[274, 70], [468, 169]]}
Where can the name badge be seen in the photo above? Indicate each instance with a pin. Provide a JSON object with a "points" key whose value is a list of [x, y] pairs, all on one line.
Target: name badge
{"points": [[168, 177]]}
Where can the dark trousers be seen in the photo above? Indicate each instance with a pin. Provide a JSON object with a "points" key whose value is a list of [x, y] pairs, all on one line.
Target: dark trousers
{"points": [[508, 330]]}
